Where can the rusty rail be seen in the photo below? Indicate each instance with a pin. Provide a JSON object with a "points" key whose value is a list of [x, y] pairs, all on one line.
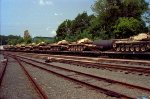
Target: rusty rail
{"points": [[38, 89], [3, 72], [106, 91], [110, 66]]}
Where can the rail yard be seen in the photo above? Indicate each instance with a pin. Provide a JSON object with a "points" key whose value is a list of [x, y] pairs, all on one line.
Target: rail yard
{"points": [[46, 76], [75, 49]]}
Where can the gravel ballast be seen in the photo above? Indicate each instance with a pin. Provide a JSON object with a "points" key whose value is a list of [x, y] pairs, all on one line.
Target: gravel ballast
{"points": [[134, 79], [60, 88], [106, 85], [15, 84]]}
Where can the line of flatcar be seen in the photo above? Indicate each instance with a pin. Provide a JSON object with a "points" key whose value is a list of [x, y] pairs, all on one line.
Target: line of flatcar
{"points": [[111, 54], [137, 46]]}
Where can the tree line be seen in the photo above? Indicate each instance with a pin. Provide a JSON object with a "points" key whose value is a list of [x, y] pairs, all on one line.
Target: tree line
{"points": [[26, 39], [112, 19]]}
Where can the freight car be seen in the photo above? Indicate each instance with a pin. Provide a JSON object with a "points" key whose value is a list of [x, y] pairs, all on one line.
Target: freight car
{"points": [[139, 44]]}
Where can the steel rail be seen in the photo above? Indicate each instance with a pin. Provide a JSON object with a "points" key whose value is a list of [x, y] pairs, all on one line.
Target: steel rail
{"points": [[109, 80], [108, 59], [100, 65], [3, 72], [38, 89], [97, 77], [105, 91], [105, 59]]}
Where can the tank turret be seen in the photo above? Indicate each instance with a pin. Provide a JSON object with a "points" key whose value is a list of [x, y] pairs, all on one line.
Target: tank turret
{"points": [[63, 42], [140, 37], [84, 41], [137, 43]]}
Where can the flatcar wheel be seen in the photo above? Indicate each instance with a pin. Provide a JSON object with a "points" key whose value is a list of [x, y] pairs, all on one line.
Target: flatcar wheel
{"points": [[143, 49], [127, 49], [118, 49], [122, 49], [73, 48], [132, 49], [137, 48], [148, 46], [81, 48], [78, 48]]}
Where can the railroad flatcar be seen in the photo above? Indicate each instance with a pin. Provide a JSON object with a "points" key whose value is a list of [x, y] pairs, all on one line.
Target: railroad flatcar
{"points": [[138, 43], [134, 44]]}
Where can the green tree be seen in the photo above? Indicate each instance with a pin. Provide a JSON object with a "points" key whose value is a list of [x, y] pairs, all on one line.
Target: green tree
{"points": [[71, 29], [12, 41], [28, 40], [81, 22], [109, 13], [64, 28], [27, 37], [26, 34], [126, 27]]}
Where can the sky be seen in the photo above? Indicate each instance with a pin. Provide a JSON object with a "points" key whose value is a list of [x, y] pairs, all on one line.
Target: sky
{"points": [[40, 17]]}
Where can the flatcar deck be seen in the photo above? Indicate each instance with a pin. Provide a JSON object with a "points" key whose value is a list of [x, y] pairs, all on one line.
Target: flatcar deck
{"points": [[139, 55]]}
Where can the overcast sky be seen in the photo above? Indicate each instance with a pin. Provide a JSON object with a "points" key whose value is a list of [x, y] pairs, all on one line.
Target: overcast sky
{"points": [[40, 17]]}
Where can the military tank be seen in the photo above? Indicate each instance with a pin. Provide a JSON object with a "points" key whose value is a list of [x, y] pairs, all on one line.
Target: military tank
{"points": [[42, 46], [138, 43], [22, 47], [35, 48], [59, 46], [29, 47], [8, 47], [82, 45]]}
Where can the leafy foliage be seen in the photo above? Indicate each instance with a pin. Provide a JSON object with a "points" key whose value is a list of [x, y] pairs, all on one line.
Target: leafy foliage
{"points": [[70, 29], [111, 19], [43, 39], [125, 27]]}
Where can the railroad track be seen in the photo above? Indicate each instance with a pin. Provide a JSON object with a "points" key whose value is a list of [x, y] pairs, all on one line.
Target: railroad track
{"points": [[75, 76], [88, 64], [36, 86], [95, 64], [143, 62], [2, 73], [125, 61]]}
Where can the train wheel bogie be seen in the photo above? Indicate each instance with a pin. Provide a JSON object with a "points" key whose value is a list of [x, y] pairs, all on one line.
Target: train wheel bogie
{"points": [[143, 48], [132, 49], [137, 49]]}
